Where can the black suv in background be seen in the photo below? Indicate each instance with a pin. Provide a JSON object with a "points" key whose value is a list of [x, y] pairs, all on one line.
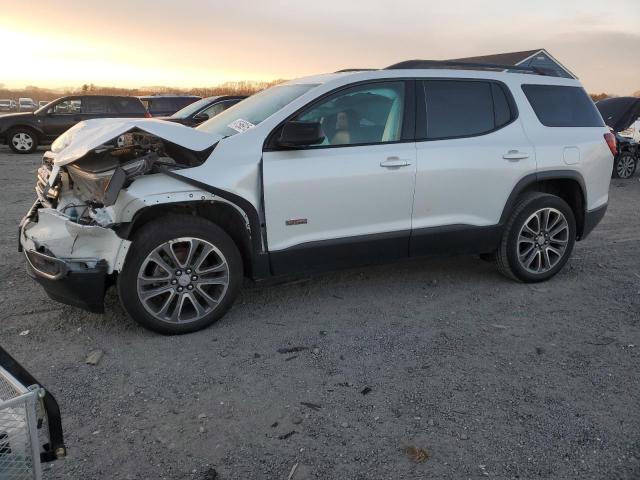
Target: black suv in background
{"points": [[202, 110], [164, 105], [23, 132]]}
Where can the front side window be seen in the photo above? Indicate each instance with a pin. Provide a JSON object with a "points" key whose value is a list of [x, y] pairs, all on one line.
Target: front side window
{"points": [[70, 107], [459, 108], [216, 108], [191, 108], [364, 114]]}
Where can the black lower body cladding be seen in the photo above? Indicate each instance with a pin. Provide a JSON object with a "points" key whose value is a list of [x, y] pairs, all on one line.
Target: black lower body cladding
{"points": [[592, 218], [83, 288]]}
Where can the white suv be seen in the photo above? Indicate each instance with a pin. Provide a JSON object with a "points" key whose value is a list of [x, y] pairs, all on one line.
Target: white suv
{"points": [[335, 170]]}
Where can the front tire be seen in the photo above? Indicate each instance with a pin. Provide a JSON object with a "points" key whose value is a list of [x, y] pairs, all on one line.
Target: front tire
{"points": [[182, 273], [22, 140], [538, 238], [624, 165]]}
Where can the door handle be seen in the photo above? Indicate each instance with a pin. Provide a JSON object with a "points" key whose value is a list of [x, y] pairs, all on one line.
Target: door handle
{"points": [[394, 162], [515, 155]]}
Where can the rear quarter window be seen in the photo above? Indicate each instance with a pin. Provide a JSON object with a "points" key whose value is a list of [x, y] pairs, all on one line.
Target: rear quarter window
{"points": [[128, 105], [161, 105], [562, 106]]}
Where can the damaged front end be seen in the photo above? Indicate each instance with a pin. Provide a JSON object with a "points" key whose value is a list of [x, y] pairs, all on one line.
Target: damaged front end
{"points": [[69, 236]]}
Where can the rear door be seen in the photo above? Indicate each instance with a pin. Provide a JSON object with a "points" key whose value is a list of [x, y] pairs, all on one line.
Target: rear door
{"points": [[471, 151], [347, 200]]}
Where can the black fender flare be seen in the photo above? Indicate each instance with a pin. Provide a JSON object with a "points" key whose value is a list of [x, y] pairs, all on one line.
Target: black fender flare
{"points": [[259, 255], [534, 178]]}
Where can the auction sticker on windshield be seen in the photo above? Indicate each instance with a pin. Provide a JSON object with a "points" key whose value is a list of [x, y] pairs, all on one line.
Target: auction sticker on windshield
{"points": [[240, 125]]}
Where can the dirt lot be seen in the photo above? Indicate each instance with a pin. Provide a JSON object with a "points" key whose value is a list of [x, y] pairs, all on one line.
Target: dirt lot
{"points": [[490, 377]]}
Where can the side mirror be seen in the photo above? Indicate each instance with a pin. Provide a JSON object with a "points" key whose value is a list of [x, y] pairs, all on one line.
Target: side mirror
{"points": [[201, 117], [301, 134]]}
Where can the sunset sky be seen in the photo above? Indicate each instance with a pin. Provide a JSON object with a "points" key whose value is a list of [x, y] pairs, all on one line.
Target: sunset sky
{"points": [[191, 43]]}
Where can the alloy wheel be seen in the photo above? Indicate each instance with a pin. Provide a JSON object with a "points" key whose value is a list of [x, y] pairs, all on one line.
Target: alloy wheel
{"points": [[183, 280], [625, 166], [543, 240], [22, 141]]}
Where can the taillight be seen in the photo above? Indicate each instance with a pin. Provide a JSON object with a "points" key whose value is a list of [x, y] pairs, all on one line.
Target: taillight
{"points": [[147, 115], [610, 138]]}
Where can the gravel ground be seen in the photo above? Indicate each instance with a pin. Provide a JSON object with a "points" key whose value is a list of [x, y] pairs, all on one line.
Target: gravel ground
{"points": [[489, 377]]}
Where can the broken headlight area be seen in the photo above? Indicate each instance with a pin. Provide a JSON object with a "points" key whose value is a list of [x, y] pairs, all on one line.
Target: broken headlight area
{"points": [[82, 189], [99, 179]]}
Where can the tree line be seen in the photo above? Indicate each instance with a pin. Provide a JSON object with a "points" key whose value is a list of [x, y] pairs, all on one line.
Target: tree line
{"points": [[244, 87]]}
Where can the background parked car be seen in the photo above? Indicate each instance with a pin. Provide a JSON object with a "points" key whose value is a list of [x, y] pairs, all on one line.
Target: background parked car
{"points": [[7, 105], [633, 132], [620, 114], [202, 110], [165, 105], [23, 132], [43, 103], [26, 104]]}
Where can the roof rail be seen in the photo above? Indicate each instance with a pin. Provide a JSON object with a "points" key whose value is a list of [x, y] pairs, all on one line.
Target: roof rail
{"points": [[423, 64], [347, 70]]}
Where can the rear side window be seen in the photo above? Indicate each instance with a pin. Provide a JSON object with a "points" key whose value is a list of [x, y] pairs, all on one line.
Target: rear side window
{"points": [[562, 106], [128, 105], [97, 105], [162, 105], [459, 108]]}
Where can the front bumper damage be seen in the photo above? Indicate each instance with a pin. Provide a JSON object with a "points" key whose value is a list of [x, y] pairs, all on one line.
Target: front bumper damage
{"points": [[74, 263], [96, 178]]}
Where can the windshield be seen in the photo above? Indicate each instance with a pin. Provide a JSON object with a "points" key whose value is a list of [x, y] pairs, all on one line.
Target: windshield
{"points": [[192, 108], [253, 110]]}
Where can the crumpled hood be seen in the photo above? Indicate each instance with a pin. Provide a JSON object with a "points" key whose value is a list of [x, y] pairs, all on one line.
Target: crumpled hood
{"points": [[79, 140]]}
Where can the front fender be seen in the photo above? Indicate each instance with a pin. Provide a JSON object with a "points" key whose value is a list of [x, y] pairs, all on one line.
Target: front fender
{"points": [[150, 190]]}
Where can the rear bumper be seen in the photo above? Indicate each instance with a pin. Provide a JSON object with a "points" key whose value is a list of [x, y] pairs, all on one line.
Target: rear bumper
{"points": [[591, 219], [81, 287]]}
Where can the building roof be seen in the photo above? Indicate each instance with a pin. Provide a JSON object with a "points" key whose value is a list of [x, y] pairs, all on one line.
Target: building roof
{"points": [[539, 58], [511, 58]]}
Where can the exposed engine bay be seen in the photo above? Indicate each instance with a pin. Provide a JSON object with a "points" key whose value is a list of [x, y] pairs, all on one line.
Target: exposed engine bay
{"points": [[83, 189]]}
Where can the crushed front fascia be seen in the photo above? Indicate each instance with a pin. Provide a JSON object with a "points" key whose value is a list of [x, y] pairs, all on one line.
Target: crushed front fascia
{"points": [[73, 242]]}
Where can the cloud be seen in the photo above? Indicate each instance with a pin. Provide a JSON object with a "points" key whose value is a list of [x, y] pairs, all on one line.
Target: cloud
{"points": [[603, 60]]}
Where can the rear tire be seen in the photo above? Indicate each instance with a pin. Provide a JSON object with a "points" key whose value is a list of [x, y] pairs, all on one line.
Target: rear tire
{"points": [[538, 238], [22, 140], [182, 273], [625, 165]]}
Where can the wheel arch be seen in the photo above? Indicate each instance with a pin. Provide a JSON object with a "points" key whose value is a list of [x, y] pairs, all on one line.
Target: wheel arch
{"points": [[223, 214], [39, 133], [566, 184]]}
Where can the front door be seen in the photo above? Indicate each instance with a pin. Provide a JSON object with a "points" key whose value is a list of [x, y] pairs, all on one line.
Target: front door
{"points": [[347, 200], [61, 116]]}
